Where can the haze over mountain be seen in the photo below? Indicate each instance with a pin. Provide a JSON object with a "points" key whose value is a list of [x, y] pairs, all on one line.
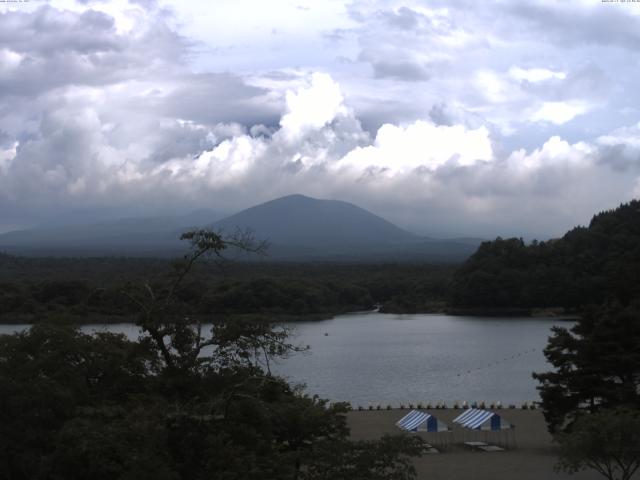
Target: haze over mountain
{"points": [[301, 227], [297, 228], [126, 236], [306, 221]]}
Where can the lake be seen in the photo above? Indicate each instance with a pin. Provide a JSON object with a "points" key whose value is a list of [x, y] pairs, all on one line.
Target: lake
{"points": [[374, 358]]}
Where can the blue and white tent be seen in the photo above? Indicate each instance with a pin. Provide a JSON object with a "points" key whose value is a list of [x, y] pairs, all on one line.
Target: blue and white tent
{"points": [[417, 421], [476, 419]]}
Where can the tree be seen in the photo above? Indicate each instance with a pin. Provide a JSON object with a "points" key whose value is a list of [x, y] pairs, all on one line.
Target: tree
{"points": [[51, 376], [387, 459], [586, 266], [179, 403], [607, 441], [171, 333], [596, 365]]}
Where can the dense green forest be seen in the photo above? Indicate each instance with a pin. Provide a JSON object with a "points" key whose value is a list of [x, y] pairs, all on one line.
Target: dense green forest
{"points": [[585, 266], [69, 290]]}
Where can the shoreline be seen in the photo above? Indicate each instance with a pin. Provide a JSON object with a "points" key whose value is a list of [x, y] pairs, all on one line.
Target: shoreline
{"points": [[105, 319], [533, 457]]}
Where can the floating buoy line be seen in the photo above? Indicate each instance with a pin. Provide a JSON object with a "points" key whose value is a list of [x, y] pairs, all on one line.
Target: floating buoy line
{"points": [[497, 362]]}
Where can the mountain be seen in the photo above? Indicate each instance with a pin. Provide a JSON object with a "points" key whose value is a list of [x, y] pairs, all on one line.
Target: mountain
{"points": [[298, 228], [127, 236], [304, 221], [302, 228]]}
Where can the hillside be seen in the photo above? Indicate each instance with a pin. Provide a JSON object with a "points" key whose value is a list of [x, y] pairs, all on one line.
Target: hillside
{"points": [[586, 266], [304, 228], [297, 227], [128, 236], [308, 222]]}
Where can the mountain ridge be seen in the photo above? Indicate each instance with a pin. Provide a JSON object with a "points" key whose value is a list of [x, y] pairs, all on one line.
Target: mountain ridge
{"points": [[298, 228], [300, 220]]}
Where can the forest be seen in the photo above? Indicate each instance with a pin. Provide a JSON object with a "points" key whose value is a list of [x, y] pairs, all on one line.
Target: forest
{"points": [[506, 276], [585, 267], [77, 290], [178, 403]]}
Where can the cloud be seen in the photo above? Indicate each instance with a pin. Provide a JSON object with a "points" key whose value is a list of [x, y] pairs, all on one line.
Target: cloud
{"points": [[621, 149], [399, 69], [450, 178], [311, 109], [87, 110], [627, 136], [591, 24], [422, 145], [447, 122], [538, 62], [535, 75], [466, 185], [559, 112]]}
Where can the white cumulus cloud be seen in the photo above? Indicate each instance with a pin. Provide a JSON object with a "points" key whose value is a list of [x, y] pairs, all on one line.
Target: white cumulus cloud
{"points": [[535, 74], [559, 113], [422, 144], [312, 108]]}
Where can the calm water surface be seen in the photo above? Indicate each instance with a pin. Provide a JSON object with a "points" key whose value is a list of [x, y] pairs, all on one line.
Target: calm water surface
{"points": [[374, 358]]}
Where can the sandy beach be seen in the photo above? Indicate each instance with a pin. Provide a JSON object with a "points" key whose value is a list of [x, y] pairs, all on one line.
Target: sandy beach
{"points": [[532, 459]]}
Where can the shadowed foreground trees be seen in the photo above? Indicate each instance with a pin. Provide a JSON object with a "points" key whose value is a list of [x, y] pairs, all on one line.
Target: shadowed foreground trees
{"points": [[607, 441], [182, 402], [591, 400], [596, 365]]}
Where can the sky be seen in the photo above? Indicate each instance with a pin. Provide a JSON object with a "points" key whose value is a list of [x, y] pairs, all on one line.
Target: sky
{"points": [[449, 119]]}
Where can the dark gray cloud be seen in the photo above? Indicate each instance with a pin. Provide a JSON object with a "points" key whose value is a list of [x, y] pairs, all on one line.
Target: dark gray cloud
{"points": [[49, 31], [404, 18], [6, 140], [571, 25], [198, 98], [50, 48], [390, 39], [621, 157], [374, 115], [585, 80], [399, 69]]}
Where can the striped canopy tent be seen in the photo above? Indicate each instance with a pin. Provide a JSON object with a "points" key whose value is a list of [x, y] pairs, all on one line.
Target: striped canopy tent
{"points": [[476, 419], [486, 426], [417, 421]]}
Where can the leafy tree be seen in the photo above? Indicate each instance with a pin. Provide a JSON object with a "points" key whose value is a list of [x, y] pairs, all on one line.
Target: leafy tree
{"points": [[596, 365], [47, 376], [185, 401], [387, 459], [607, 441]]}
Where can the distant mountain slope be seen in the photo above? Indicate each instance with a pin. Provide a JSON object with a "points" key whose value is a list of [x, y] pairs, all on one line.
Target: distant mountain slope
{"points": [[302, 228], [585, 266], [309, 222], [127, 236], [298, 228]]}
